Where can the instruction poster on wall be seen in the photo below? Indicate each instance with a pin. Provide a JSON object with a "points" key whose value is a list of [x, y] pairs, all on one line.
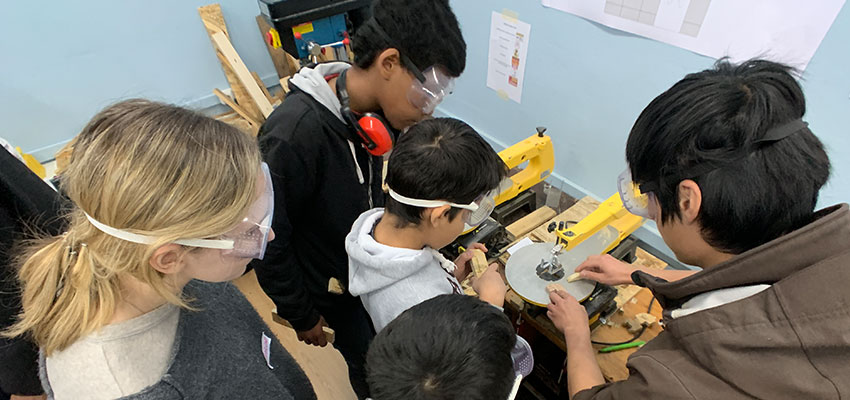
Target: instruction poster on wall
{"points": [[507, 57], [789, 31]]}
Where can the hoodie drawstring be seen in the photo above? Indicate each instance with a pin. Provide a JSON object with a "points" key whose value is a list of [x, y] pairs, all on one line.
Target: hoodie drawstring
{"points": [[356, 164]]}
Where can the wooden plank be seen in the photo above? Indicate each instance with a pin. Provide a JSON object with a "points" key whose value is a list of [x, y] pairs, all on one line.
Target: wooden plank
{"points": [[324, 366], [226, 48], [531, 221], [248, 106], [213, 21], [262, 86], [281, 64], [239, 110]]}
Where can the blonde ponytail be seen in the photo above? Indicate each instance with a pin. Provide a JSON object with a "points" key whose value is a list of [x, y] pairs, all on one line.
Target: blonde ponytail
{"points": [[140, 166]]}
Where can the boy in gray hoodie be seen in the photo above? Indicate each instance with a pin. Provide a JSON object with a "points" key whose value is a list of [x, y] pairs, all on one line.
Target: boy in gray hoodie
{"points": [[442, 178]]}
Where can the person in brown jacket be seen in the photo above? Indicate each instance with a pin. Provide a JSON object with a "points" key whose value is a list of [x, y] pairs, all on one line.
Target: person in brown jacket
{"points": [[730, 173]]}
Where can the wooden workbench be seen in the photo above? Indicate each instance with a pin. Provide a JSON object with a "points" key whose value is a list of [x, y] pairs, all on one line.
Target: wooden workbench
{"points": [[631, 299]]}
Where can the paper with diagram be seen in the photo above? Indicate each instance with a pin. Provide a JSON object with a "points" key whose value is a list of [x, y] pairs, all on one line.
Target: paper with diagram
{"points": [[508, 50], [789, 31]]}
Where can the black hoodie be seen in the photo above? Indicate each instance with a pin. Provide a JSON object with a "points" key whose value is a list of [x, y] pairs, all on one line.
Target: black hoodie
{"points": [[319, 192], [27, 206]]}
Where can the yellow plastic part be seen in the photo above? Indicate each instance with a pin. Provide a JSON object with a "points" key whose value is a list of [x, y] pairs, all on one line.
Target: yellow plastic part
{"points": [[538, 151], [32, 163], [275, 38], [610, 212]]}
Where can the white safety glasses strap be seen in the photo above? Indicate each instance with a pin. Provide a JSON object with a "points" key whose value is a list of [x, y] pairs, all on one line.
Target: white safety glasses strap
{"points": [[430, 203], [145, 239]]}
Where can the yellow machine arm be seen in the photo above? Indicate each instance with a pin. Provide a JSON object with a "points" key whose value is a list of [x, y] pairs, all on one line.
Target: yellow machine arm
{"points": [[537, 150], [610, 212]]}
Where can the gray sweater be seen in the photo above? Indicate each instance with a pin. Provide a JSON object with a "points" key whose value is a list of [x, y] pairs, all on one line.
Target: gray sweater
{"points": [[389, 279], [218, 353]]}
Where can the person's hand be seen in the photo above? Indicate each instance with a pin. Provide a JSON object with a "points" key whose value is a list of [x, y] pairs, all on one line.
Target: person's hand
{"points": [[315, 335], [490, 286], [463, 261], [35, 397], [606, 269], [568, 315]]}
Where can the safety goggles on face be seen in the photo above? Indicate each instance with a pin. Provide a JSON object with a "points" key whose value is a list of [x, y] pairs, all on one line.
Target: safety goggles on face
{"points": [[429, 88], [247, 240], [635, 201], [425, 94], [479, 209]]}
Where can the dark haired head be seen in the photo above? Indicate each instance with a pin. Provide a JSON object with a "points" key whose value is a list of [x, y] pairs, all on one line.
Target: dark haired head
{"points": [[441, 159], [424, 31], [448, 347], [709, 127]]}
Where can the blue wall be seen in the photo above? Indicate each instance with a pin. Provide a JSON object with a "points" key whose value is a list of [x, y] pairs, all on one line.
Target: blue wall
{"points": [[585, 82], [588, 83], [62, 62]]}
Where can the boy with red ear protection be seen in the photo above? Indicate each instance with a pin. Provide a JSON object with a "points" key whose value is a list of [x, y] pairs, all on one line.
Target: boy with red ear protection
{"points": [[324, 147]]}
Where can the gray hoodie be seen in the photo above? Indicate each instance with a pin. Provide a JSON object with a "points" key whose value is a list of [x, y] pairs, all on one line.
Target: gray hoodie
{"points": [[389, 279]]}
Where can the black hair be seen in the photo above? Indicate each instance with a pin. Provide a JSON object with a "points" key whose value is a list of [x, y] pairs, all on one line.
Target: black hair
{"points": [[441, 159], [752, 192], [449, 347], [425, 31]]}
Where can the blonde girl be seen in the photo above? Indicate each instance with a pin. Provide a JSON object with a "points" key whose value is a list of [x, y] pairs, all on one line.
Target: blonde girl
{"points": [[129, 302]]}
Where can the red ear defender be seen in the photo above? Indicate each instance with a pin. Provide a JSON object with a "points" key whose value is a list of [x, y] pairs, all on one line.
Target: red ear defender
{"points": [[370, 127], [378, 138]]}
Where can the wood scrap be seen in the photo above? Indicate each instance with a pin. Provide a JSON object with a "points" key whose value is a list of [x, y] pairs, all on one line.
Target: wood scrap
{"points": [[213, 21], [236, 120], [284, 85], [531, 221], [645, 319], [335, 286], [237, 108], [222, 43], [554, 287], [478, 262], [632, 326], [573, 277]]}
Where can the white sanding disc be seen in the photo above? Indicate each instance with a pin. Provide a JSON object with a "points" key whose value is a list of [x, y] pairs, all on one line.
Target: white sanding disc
{"points": [[521, 272]]}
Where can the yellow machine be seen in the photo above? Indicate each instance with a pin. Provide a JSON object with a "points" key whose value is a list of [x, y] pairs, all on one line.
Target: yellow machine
{"points": [[32, 163], [530, 270], [610, 212], [537, 150]]}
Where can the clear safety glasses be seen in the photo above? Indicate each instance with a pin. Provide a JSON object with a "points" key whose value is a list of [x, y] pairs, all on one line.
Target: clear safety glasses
{"points": [[479, 209], [425, 94], [247, 240], [636, 202], [427, 89]]}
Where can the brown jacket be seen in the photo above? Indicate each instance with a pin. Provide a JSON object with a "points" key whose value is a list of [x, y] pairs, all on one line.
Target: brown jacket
{"points": [[791, 341]]}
